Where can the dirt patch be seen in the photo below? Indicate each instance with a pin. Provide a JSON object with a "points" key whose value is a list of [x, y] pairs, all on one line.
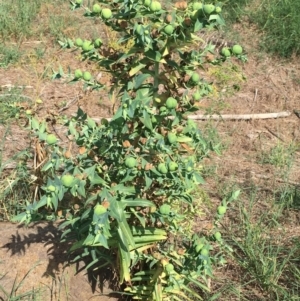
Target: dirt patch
{"points": [[35, 257]]}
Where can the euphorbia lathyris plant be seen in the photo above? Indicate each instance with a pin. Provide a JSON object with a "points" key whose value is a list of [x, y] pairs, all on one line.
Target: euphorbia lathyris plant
{"points": [[133, 177]]}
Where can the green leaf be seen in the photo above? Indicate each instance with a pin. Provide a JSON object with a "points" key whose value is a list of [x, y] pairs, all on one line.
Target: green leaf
{"points": [[19, 218], [126, 190], [143, 94], [124, 257], [81, 188], [136, 69], [138, 81], [158, 291], [76, 245], [137, 202], [196, 282], [153, 55], [91, 123], [146, 120], [72, 129], [42, 202], [198, 178], [139, 216], [217, 18], [47, 166], [184, 139], [198, 25], [234, 195], [54, 201], [42, 127], [95, 180], [34, 124], [148, 182], [89, 240], [125, 233]]}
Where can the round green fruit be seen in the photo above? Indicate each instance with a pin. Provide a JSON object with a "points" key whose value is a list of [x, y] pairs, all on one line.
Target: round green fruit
{"points": [[99, 209], [51, 188], [28, 112], [197, 5], [165, 209], [208, 8], [87, 76], [196, 96], [162, 109], [199, 247], [218, 9], [225, 51], [204, 252], [98, 43], [218, 236], [147, 3], [237, 49], [222, 210], [155, 6], [172, 138], [78, 74], [51, 139], [87, 46], [67, 180], [171, 103], [169, 268], [79, 2], [173, 166], [162, 168], [78, 42], [139, 29], [96, 9], [130, 162], [106, 13], [195, 78], [169, 29]]}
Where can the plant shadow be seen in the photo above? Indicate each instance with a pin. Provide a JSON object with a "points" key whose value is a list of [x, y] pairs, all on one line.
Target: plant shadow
{"points": [[58, 257]]}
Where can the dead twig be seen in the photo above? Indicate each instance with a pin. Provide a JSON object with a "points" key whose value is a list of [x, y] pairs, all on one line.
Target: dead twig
{"points": [[241, 117], [265, 177], [227, 117], [9, 87], [274, 134], [70, 103]]}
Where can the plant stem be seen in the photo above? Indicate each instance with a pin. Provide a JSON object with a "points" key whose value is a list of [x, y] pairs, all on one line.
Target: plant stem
{"points": [[156, 77]]}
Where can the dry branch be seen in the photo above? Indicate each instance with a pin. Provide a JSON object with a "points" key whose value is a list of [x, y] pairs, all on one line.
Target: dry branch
{"points": [[240, 117], [9, 87], [228, 117]]}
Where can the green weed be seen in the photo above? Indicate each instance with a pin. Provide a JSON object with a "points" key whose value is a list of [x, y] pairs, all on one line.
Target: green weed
{"points": [[279, 20], [13, 295], [228, 78], [14, 180], [16, 17], [234, 10], [260, 254], [280, 155], [9, 55], [11, 103]]}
